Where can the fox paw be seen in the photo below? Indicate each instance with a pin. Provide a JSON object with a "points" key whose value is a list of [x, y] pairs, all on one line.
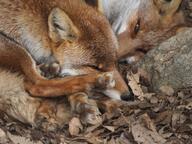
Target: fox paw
{"points": [[45, 116], [45, 123], [86, 109], [51, 70], [91, 114], [105, 81]]}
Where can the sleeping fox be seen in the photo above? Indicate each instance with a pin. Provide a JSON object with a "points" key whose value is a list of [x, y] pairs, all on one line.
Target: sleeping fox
{"points": [[143, 24], [68, 39]]}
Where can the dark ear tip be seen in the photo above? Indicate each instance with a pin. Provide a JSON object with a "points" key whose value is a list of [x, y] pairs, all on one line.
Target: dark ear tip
{"points": [[93, 3], [97, 4]]}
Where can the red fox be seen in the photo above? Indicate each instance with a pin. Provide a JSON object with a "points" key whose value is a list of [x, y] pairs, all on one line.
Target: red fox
{"points": [[80, 41], [70, 37], [48, 114], [143, 24]]}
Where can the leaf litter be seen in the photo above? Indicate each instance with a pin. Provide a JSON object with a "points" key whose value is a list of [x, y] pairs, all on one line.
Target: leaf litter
{"points": [[152, 118]]}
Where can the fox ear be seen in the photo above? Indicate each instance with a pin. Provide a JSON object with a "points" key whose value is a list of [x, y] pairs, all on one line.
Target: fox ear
{"points": [[95, 3], [167, 7], [61, 26]]}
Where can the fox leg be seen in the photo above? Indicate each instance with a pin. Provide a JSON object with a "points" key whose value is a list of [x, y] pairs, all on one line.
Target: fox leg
{"points": [[52, 114], [69, 85], [85, 108], [14, 56]]}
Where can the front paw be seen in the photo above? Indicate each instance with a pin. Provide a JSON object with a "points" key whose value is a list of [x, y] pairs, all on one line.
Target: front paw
{"points": [[90, 113], [45, 118], [45, 123], [105, 81], [51, 70], [85, 108]]}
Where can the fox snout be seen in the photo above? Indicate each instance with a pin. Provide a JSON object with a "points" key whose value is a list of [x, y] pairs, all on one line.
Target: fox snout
{"points": [[120, 91]]}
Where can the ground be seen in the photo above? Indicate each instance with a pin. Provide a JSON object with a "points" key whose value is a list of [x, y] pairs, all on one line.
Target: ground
{"points": [[152, 118]]}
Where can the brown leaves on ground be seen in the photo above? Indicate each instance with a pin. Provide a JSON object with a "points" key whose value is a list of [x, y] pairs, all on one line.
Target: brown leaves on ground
{"points": [[136, 87], [157, 120], [164, 118], [75, 126], [144, 131]]}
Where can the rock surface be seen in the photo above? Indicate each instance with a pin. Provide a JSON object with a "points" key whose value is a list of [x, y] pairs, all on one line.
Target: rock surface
{"points": [[170, 64]]}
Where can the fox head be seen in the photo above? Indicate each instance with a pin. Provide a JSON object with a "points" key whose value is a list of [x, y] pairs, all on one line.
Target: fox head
{"points": [[143, 24], [83, 42]]}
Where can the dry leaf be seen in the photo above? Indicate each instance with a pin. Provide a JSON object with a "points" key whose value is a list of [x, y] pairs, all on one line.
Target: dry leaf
{"points": [[148, 122], [92, 128], [112, 141], [2, 133], [75, 126], [3, 137], [142, 133], [110, 128], [135, 86], [20, 139], [189, 106], [177, 119]]}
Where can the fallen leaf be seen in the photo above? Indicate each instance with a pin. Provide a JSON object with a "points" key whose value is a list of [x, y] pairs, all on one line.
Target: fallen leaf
{"points": [[178, 119], [110, 128], [148, 122], [92, 128], [143, 134], [189, 106], [75, 126], [135, 86], [20, 139], [154, 100], [3, 137], [2, 133]]}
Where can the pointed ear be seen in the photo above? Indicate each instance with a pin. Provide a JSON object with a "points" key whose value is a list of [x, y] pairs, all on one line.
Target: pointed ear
{"points": [[96, 4], [61, 26], [167, 7]]}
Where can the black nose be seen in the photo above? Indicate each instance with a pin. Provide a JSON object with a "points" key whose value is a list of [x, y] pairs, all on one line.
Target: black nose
{"points": [[128, 96]]}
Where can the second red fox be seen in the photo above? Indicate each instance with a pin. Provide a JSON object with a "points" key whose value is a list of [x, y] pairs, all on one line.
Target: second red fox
{"points": [[143, 24]]}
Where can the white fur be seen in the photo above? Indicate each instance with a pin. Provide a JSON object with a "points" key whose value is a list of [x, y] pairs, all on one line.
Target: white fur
{"points": [[14, 100], [112, 93], [71, 72], [34, 46], [119, 12], [17, 103], [131, 59]]}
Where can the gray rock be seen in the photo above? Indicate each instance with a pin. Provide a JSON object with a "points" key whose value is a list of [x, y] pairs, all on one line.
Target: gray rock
{"points": [[170, 64]]}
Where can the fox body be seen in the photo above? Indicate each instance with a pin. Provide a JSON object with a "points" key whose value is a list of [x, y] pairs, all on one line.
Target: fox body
{"points": [[18, 104], [142, 24], [48, 32], [68, 33], [74, 35]]}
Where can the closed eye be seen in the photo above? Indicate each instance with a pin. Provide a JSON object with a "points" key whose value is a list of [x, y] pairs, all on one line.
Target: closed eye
{"points": [[93, 67]]}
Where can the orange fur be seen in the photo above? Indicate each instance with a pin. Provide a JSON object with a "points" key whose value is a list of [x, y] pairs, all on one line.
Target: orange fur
{"points": [[73, 35], [67, 32], [157, 23]]}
